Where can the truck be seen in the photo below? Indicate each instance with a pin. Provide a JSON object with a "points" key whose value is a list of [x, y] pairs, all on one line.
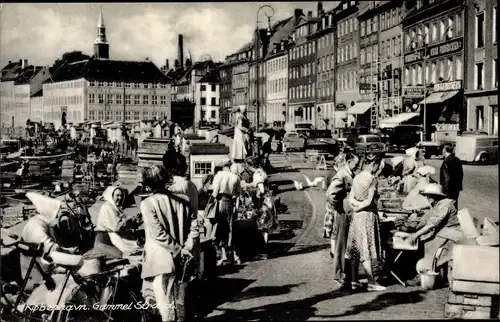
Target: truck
{"points": [[445, 134]]}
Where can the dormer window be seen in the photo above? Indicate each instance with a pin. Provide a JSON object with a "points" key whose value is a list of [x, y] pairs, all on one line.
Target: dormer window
{"points": [[92, 83], [128, 85]]}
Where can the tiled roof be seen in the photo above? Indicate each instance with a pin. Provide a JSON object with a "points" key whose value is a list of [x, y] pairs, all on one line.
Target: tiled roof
{"points": [[186, 76], [10, 66], [209, 148], [110, 70], [27, 74], [212, 77], [12, 74]]}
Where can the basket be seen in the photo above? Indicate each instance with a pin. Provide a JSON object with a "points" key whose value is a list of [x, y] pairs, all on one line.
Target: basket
{"points": [[393, 203]]}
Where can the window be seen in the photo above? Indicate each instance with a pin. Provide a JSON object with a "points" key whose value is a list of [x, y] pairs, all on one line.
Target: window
{"points": [[163, 100], [458, 24], [109, 98], [479, 118], [137, 99], [128, 115], [458, 67], [203, 88], [494, 74], [128, 99], [479, 76], [449, 32], [362, 28], [420, 80], [118, 115], [426, 34], [434, 72], [434, 31], [394, 22], [100, 98], [145, 99], [203, 101], [374, 24], [382, 22], [368, 26], [100, 84], [214, 87], [213, 114], [213, 101], [137, 115], [362, 56], [100, 115], [155, 100], [480, 30], [92, 83], [91, 98], [137, 85], [398, 46], [450, 70], [494, 24], [128, 85], [202, 168]]}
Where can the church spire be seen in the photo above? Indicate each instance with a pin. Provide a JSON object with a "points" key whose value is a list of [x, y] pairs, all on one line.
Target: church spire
{"points": [[101, 47]]}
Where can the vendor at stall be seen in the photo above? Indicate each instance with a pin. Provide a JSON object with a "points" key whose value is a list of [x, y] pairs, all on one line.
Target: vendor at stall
{"points": [[414, 200], [410, 165], [442, 214]]}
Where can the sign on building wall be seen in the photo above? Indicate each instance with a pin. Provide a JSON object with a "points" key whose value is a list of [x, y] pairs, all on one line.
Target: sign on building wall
{"points": [[448, 86], [435, 51], [414, 91]]}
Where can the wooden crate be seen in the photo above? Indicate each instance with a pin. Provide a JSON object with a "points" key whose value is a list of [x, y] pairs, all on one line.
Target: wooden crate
{"points": [[466, 312], [469, 287], [476, 263], [470, 299]]}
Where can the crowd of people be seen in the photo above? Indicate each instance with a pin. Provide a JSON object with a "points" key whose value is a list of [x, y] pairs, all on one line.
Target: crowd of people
{"points": [[352, 219]]}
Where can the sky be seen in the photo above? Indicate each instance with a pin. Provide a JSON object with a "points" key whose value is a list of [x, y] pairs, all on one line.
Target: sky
{"points": [[42, 32]]}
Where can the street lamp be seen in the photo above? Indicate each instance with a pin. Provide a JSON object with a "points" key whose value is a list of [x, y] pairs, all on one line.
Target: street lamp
{"points": [[257, 52]]}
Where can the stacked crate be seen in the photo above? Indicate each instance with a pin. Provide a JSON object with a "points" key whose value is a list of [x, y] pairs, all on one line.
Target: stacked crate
{"points": [[68, 171], [475, 283]]}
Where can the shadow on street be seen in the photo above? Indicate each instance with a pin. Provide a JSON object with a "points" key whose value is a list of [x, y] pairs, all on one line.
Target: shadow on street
{"points": [[261, 291]]}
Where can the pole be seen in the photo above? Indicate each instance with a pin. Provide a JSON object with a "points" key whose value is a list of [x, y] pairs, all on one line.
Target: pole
{"points": [[424, 132], [257, 47]]}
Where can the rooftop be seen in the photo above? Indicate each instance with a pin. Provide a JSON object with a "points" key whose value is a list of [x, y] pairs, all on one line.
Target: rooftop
{"points": [[110, 70], [27, 74], [212, 77], [209, 148]]}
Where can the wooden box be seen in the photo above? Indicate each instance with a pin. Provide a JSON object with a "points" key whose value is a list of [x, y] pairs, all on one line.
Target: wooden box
{"points": [[471, 287], [476, 263], [469, 299], [466, 312]]}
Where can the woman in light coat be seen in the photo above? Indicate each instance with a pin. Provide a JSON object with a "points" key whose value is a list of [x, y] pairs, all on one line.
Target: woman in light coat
{"points": [[410, 165], [112, 226], [239, 149], [415, 200], [171, 230]]}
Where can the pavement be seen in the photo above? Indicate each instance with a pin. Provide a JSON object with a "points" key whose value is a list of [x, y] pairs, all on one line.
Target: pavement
{"points": [[295, 282]]}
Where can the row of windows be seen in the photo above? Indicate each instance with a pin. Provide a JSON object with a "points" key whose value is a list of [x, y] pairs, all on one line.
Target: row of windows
{"points": [[326, 41], [213, 101], [448, 69], [347, 26], [129, 115], [390, 18], [252, 91], [129, 99], [434, 32], [125, 84], [239, 99], [277, 85], [64, 100], [302, 91], [240, 81], [346, 79], [213, 115], [390, 48], [325, 88], [326, 63], [277, 64], [368, 55], [243, 68], [225, 88], [253, 70], [368, 84], [302, 51], [302, 71], [65, 85], [347, 52], [225, 102], [203, 88]]}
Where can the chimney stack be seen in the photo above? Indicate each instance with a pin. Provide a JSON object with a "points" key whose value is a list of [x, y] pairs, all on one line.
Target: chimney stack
{"points": [[309, 14], [320, 9], [181, 51], [167, 65], [298, 13], [24, 63]]}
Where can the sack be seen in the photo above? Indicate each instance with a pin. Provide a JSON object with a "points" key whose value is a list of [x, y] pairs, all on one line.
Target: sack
{"points": [[212, 208]]}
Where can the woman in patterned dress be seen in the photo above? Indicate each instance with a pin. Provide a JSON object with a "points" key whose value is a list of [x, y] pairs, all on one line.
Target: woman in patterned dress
{"points": [[336, 224], [363, 242]]}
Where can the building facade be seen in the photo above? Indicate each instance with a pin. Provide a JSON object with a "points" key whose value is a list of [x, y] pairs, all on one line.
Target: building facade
{"points": [[346, 69], [36, 107], [434, 54], [239, 81], [325, 78], [481, 61], [208, 92], [276, 88], [302, 73], [225, 72]]}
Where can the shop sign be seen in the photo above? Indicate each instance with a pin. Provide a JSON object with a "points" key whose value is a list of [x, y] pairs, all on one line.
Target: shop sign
{"points": [[435, 51], [448, 86], [341, 107], [414, 91]]}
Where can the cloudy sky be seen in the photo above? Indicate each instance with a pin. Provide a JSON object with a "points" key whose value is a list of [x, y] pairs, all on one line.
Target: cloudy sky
{"points": [[43, 32]]}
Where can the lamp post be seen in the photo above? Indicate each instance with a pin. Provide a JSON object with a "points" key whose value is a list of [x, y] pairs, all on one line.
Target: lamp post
{"points": [[257, 54]]}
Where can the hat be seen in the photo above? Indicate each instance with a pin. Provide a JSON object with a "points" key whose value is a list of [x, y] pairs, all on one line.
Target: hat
{"points": [[45, 206], [92, 266], [433, 189], [426, 170], [412, 152], [397, 160]]}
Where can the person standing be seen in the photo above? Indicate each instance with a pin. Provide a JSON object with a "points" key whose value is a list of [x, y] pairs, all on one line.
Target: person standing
{"points": [[363, 241], [451, 175], [410, 165], [239, 149], [336, 223], [226, 186], [171, 230]]}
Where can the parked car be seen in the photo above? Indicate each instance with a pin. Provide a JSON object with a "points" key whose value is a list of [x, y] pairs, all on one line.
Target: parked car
{"points": [[477, 148], [369, 143], [292, 141]]}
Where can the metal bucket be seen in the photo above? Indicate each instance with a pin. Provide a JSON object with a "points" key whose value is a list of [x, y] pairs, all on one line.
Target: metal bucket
{"points": [[428, 277]]}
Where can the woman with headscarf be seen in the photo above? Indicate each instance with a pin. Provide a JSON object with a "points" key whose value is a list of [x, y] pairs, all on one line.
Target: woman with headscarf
{"points": [[415, 200], [177, 166], [410, 165], [113, 229], [239, 149], [363, 242], [39, 229], [171, 230], [336, 222], [226, 189]]}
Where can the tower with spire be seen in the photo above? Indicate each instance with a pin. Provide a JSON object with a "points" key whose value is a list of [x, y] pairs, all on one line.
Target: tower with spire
{"points": [[101, 46]]}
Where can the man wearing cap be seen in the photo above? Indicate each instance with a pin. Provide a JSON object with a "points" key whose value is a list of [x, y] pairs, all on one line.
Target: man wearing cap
{"points": [[442, 214]]}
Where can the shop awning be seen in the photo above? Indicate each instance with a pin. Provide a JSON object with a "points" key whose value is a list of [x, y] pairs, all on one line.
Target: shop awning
{"points": [[439, 97], [360, 108], [392, 122]]}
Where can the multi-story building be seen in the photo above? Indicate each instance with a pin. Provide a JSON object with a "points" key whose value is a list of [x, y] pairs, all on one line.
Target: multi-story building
{"points": [[19, 83], [346, 69], [302, 72], [390, 61], [325, 75], [208, 89], [36, 107], [239, 80], [277, 87], [226, 95], [434, 60], [481, 61], [100, 89]]}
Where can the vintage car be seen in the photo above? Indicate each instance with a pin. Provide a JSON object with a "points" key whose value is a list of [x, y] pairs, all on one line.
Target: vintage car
{"points": [[369, 143], [293, 141], [477, 148]]}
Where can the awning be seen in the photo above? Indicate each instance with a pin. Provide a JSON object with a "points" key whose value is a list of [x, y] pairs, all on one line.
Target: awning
{"points": [[396, 120], [439, 97], [360, 108]]}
